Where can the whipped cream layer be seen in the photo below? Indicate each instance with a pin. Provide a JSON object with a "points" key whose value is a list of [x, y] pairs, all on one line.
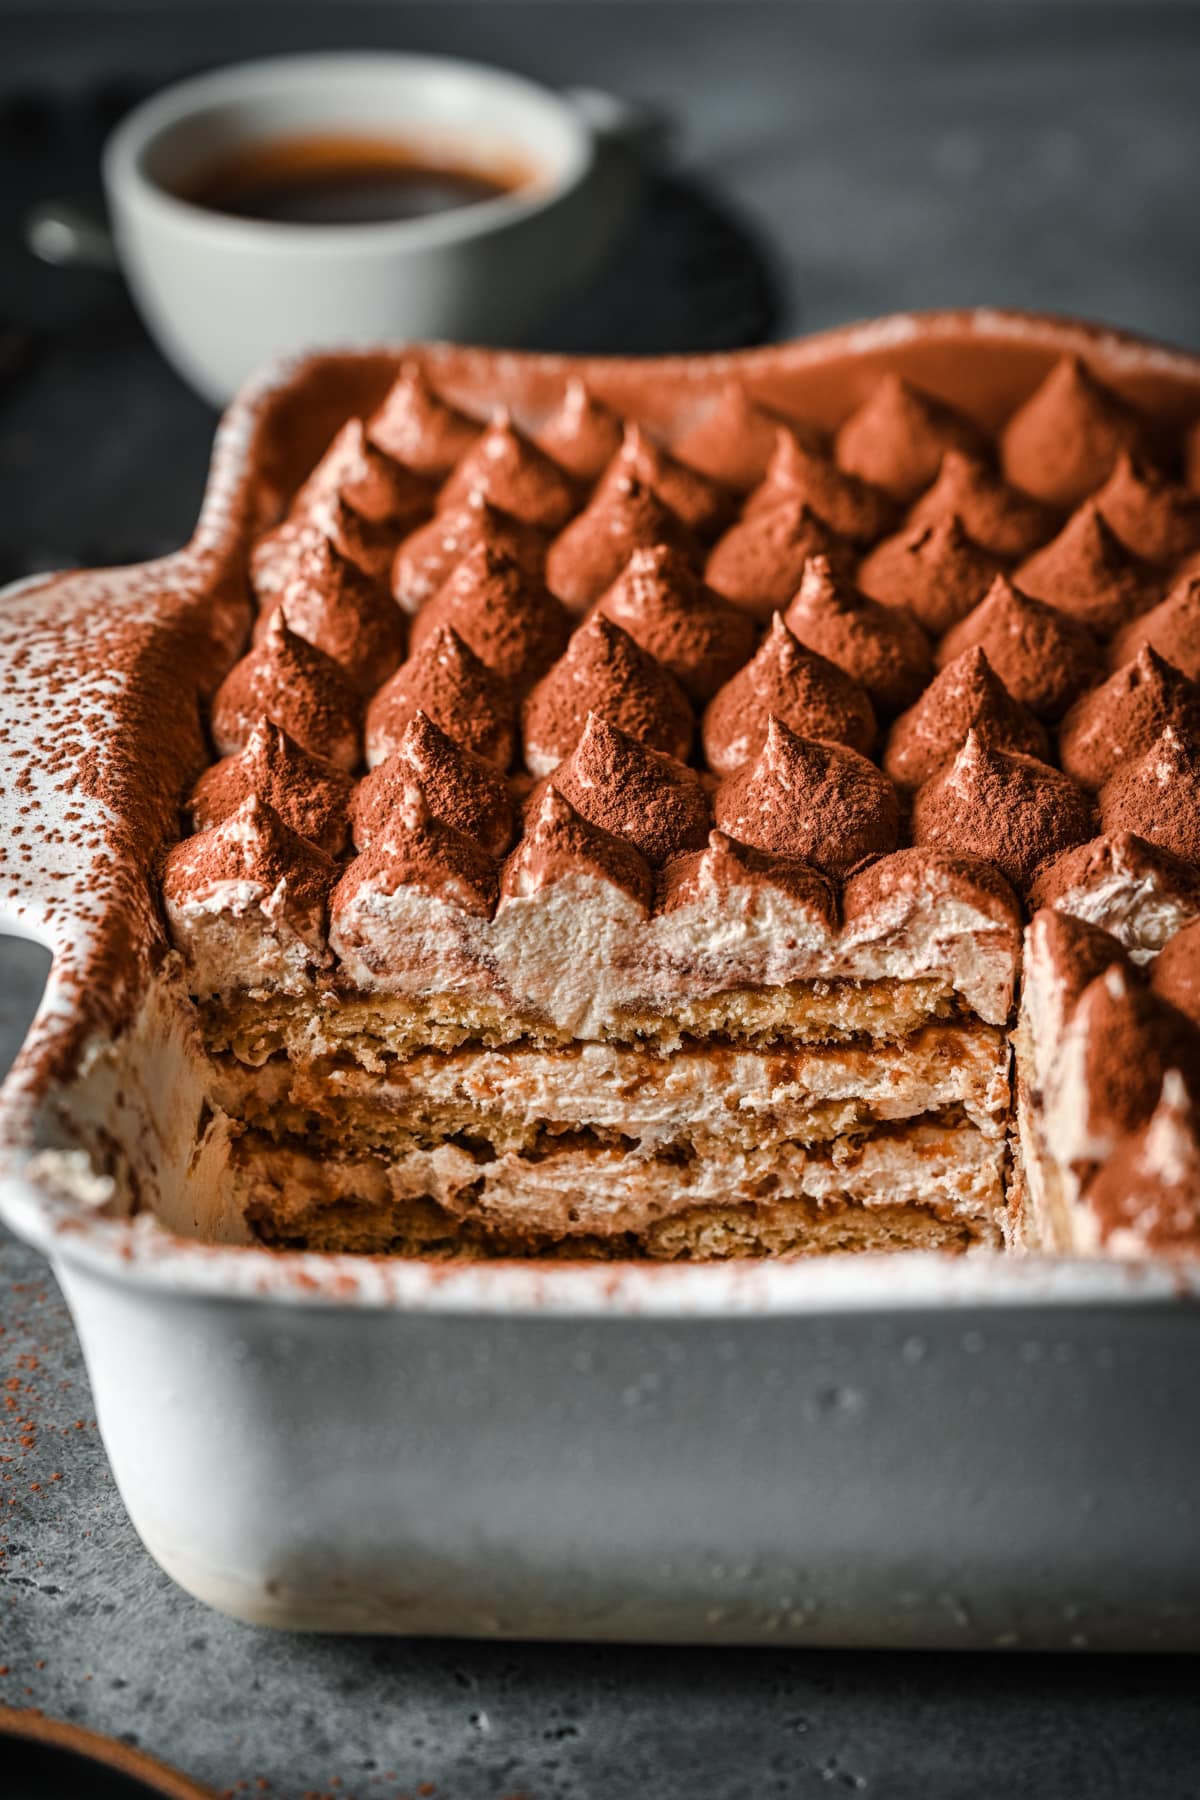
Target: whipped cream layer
{"points": [[951, 1173], [582, 951], [712, 1093], [1130, 887]]}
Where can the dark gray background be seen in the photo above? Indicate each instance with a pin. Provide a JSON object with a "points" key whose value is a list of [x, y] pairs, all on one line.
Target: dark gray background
{"points": [[883, 156]]}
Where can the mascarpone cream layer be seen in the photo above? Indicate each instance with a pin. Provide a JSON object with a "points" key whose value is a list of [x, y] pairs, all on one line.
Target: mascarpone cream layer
{"points": [[583, 951], [695, 1093], [949, 1170], [1139, 911]]}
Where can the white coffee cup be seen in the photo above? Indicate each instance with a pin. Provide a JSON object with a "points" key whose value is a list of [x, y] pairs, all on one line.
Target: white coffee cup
{"points": [[223, 294]]}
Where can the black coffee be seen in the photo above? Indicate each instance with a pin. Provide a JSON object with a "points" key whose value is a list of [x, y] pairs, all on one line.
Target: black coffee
{"points": [[322, 180]]}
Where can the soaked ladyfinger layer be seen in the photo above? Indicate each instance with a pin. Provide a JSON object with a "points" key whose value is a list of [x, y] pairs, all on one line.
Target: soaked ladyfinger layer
{"points": [[701, 1234], [374, 1030], [592, 1192], [513, 1097]]}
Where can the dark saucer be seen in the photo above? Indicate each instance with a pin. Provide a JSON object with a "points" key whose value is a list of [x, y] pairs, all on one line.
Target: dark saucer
{"points": [[43, 1757]]}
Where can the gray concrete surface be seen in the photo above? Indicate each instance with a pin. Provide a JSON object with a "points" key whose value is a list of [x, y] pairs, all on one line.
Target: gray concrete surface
{"points": [[893, 156]]}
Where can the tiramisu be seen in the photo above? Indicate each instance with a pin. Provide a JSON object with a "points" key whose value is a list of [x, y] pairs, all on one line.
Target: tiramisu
{"points": [[620, 846]]}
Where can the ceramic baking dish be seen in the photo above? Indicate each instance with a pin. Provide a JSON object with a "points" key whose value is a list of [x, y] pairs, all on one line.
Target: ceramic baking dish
{"points": [[907, 1451]]}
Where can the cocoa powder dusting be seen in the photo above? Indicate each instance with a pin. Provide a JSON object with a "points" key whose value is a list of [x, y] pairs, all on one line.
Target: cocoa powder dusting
{"points": [[559, 843], [604, 671], [1172, 628], [1009, 809], [686, 626], [1119, 720], [511, 473], [724, 865], [298, 686], [251, 845], [758, 564], [703, 504], [966, 696], [850, 507], [733, 438], [509, 619], [378, 488], [899, 435], [450, 684], [424, 560], [1064, 441], [1088, 573], [1156, 519], [309, 793], [582, 434], [1157, 795], [631, 791], [812, 695], [416, 850], [817, 801], [1043, 657], [460, 788], [881, 647], [935, 571], [419, 427], [622, 516], [329, 602], [994, 515], [1175, 972]]}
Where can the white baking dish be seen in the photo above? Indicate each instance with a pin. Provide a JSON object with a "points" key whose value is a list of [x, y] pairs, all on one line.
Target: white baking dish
{"points": [[904, 1450]]}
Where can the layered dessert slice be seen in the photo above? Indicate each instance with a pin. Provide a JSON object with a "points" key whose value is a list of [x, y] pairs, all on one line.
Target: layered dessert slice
{"points": [[574, 1050], [621, 847]]}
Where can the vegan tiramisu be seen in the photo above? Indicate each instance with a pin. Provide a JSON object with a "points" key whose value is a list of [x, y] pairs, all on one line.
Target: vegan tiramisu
{"points": [[622, 847]]}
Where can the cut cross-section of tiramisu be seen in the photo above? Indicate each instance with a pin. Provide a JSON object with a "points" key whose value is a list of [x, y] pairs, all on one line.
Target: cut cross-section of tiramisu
{"points": [[625, 846]]}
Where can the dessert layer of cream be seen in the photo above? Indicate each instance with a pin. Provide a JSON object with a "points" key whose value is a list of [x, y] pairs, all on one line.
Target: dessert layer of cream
{"points": [[710, 1095], [582, 953], [613, 1202]]}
